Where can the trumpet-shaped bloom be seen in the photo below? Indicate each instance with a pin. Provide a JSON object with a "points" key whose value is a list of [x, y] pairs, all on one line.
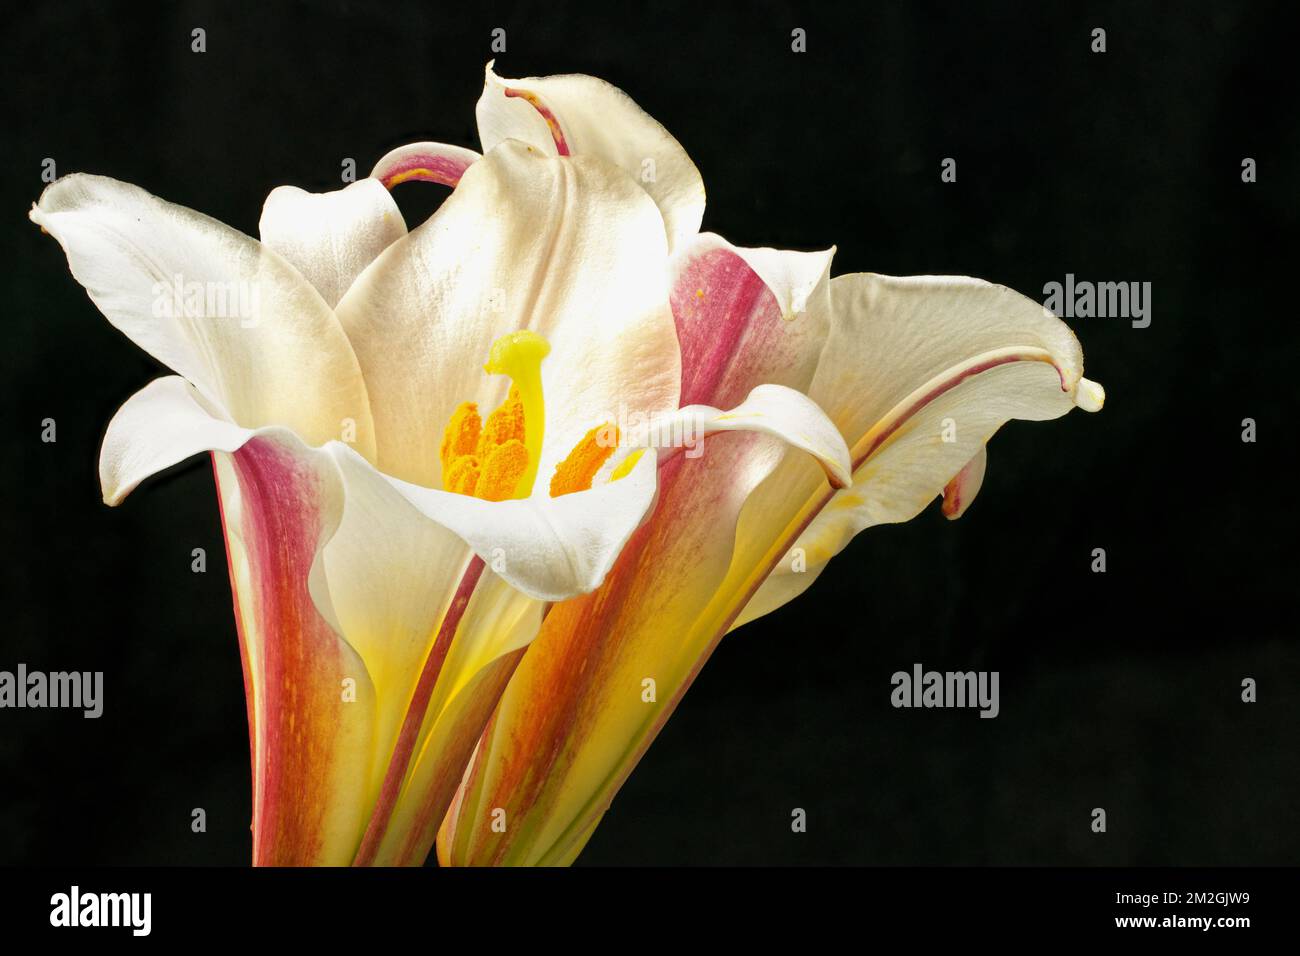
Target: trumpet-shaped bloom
{"points": [[415, 435], [917, 375]]}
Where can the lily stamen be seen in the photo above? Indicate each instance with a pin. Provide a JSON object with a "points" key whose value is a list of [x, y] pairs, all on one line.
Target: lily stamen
{"points": [[497, 459]]}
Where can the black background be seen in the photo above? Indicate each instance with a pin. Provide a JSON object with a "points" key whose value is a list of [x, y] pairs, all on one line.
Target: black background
{"points": [[1119, 690]]}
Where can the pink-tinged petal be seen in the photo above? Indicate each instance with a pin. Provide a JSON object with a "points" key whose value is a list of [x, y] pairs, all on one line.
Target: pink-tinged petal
{"points": [[383, 566], [424, 162], [723, 307], [310, 728], [573, 724], [959, 492], [544, 111]]}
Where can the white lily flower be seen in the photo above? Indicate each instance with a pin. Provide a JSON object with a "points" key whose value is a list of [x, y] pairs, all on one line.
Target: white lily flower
{"points": [[392, 550]]}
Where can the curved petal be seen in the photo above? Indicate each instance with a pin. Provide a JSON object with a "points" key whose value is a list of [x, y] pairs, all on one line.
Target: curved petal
{"points": [[793, 278], [221, 309], [159, 426], [579, 115], [576, 253], [498, 623], [548, 548], [310, 700], [771, 410], [961, 490], [401, 589], [424, 162], [723, 307], [919, 373], [331, 237]]}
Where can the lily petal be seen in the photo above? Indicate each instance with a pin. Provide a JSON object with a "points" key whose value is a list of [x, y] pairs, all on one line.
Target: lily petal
{"points": [[722, 302], [576, 254], [498, 623], [961, 490], [310, 732], [310, 700], [771, 410], [264, 347], [579, 115], [919, 373], [331, 237], [549, 548], [424, 162], [179, 424]]}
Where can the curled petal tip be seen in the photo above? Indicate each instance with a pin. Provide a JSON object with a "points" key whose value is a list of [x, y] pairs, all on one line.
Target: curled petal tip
{"points": [[1089, 395], [964, 486]]}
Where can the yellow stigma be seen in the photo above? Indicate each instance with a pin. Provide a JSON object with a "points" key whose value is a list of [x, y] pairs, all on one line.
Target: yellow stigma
{"points": [[497, 459], [519, 355]]}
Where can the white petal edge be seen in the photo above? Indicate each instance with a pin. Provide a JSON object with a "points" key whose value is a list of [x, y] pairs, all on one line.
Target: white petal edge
{"points": [[774, 410], [551, 549], [425, 162], [331, 237], [599, 119], [795, 279], [178, 425], [260, 342]]}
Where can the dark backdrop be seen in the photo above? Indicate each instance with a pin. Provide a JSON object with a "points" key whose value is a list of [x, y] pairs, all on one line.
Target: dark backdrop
{"points": [[1119, 690]]}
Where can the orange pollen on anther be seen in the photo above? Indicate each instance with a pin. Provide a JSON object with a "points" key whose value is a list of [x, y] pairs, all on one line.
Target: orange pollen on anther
{"points": [[578, 470], [501, 471], [462, 475], [461, 435], [503, 425], [485, 459]]}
